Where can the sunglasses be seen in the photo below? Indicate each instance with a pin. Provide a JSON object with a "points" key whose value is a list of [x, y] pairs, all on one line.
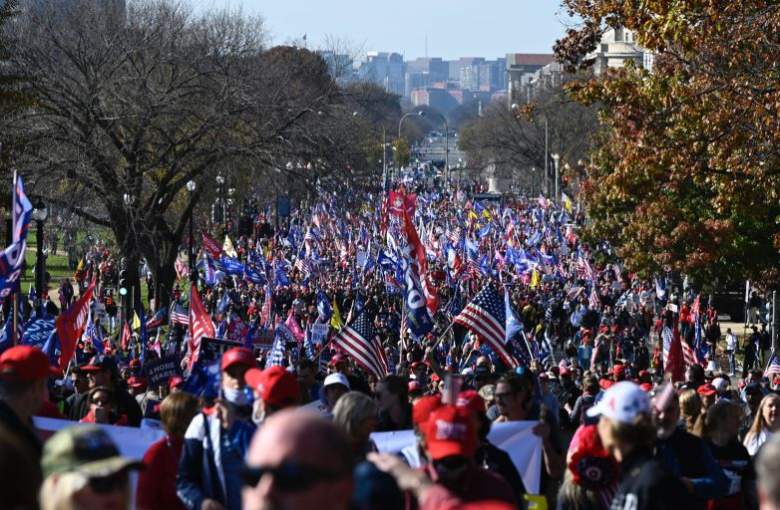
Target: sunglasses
{"points": [[101, 402], [288, 476], [108, 484]]}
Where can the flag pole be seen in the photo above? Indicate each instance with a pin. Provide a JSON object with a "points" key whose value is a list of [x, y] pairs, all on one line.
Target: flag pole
{"points": [[13, 227]]}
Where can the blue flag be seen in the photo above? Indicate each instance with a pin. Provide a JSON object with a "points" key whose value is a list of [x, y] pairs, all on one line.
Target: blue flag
{"points": [[37, 330], [324, 309], [513, 324]]}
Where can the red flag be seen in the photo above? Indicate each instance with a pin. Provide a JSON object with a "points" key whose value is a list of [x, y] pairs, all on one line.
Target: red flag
{"points": [[200, 325], [675, 364], [211, 246], [431, 297], [70, 325], [126, 335]]}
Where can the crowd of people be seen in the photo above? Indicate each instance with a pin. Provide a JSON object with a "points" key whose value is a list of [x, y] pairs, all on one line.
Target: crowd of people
{"points": [[465, 314]]}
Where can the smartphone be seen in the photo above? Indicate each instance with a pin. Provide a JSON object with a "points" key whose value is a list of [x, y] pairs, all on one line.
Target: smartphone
{"points": [[452, 385]]}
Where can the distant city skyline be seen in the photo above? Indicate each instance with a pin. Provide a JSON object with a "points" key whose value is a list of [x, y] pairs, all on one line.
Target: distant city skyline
{"points": [[490, 29]]}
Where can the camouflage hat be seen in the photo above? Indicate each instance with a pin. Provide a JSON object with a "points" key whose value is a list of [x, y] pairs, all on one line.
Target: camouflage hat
{"points": [[85, 449]]}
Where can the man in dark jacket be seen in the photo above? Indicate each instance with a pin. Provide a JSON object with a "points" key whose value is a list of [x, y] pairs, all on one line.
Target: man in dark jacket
{"points": [[685, 455], [102, 371], [24, 374]]}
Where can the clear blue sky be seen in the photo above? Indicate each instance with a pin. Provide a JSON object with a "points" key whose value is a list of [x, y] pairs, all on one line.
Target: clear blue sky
{"points": [[455, 28]]}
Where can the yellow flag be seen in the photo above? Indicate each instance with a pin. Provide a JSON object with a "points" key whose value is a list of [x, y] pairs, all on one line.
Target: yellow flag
{"points": [[534, 279], [136, 322], [472, 215], [567, 203], [81, 265], [486, 214], [227, 247], [335, 319]]}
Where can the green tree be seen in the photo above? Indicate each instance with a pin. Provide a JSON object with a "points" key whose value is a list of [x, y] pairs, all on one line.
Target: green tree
{"points": [[686, 172]]}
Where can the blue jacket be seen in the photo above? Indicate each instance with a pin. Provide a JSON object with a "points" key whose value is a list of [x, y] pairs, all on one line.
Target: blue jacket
{"points": [[201, 473]]}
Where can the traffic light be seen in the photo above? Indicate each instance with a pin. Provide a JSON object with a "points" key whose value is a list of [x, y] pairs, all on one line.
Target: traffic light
{"points": [[123, 282]]}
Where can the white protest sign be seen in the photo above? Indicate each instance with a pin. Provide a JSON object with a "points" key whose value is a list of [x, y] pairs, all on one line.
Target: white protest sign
{"points": [[319, 333]]}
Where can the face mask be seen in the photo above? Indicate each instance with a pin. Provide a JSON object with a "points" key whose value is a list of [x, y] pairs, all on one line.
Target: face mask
{"points": [[236, 397]]}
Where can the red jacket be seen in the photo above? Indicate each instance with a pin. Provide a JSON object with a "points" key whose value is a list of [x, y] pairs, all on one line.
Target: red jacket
{"points": [[157, 482]]}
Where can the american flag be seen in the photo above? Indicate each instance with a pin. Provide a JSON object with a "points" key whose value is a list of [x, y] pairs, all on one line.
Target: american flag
{"points": [[455, 236], [688, 354], [773, 367], [594, 302], [357, 340], [200, 325], [278, 353], [182, 270], [485, 317], [583, 268], [179, 315], [306, 267]]}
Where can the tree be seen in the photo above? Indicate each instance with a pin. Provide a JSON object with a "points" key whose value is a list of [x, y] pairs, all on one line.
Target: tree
{"points": [[130, 106], [686, 172], [513, 136]]}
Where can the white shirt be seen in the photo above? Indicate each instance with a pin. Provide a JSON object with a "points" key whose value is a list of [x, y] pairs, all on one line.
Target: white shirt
{"points": [[731, 342], [754, 443]]}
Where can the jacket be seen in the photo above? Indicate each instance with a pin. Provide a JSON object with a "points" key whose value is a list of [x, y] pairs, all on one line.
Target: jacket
{"points": [[201, 472], [645, 485], [157, 481], [687, 456]]}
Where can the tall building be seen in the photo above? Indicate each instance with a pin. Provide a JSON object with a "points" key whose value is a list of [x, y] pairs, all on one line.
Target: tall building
{"points": [[385, 69], [469, 72], [618, 46], [519, 68], [425, 72]]}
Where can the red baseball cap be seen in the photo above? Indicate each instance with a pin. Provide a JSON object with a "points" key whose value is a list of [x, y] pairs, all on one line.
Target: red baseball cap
{"points": [[136, 382], [238, 356], [25, 363], [450, 431], [275, 385], [707, 390], [471, 401], [423, 408], [618, 371], [175, 382]]}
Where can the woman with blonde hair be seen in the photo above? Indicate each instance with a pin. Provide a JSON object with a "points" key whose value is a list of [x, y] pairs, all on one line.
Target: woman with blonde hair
{"points": [[764, 424], [356, 414], [690, 412]]}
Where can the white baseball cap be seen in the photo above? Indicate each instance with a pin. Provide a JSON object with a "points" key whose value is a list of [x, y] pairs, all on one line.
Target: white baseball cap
{"points": [[336, 378], [622, 403], [720, 384]]}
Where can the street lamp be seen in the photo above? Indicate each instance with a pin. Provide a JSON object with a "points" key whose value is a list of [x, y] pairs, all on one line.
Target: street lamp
{"points": [[556, 158], [40, 213], [193, 274]]}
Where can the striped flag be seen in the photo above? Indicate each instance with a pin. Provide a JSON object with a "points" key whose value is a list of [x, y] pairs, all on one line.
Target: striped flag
{"points": [[200, 325], [773, 367], [179, 315], [583, 268], [357, 340], [486, 318]]}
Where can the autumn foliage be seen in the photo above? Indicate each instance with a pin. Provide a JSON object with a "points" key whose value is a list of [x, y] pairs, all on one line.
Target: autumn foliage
{"points": [[686, 172]]}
